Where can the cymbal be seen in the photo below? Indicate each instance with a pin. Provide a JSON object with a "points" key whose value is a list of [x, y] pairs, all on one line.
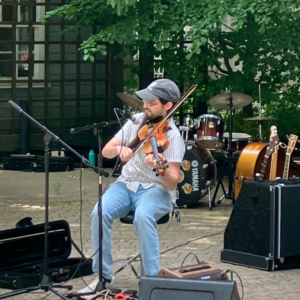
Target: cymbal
{"points": [[131, 101], [260, 118], [221, 101]]}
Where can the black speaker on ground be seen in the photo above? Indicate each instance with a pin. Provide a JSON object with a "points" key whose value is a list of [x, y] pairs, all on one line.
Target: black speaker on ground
{"points": [[163, 288], [264, 227]]}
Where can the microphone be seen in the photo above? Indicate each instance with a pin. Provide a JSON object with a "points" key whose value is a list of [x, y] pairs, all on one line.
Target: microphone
{"points": [[135, 119]]}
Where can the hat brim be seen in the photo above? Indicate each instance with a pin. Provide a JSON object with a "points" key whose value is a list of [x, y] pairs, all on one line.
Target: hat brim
{"points": [[145, 95]]}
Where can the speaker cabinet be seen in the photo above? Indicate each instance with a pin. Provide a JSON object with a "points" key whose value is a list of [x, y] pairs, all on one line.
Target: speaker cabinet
{"points": [[163, 288], [264, 227]]}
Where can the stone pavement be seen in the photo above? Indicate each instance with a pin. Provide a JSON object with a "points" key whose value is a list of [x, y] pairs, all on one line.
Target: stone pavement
{"points": [[22, 194]]}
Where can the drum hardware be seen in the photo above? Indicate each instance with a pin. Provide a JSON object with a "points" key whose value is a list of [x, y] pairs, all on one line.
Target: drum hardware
{"points": [[131, 101], [259, 118], [184, 132], [209, 186], [228, 101], [238, 143], [186, 128]]}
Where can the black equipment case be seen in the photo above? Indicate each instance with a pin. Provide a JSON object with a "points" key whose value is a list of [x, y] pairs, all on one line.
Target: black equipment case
{"points": [[36, 163], [264, 227], [22, 256]]}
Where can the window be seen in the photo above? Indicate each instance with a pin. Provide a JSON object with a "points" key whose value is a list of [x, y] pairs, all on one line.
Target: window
{"points": [[22, 39]]}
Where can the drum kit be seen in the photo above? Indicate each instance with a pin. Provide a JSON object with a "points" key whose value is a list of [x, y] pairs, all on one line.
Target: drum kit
{"points": [[198, 171]]}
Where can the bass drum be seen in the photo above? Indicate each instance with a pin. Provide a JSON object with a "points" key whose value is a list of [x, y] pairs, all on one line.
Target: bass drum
{"points": [[198, 171]]}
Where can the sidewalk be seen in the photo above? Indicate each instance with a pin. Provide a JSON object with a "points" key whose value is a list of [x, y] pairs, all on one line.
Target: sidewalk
{"points": [[23, 194]]}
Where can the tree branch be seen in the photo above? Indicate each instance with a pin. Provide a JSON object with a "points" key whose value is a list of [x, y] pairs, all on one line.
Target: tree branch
{"points": [[222, 70], [216, 73], [223, 43], [229, 27]]}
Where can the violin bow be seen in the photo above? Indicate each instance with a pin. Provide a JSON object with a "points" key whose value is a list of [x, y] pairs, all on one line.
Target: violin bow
{"points": [[181, 100]]}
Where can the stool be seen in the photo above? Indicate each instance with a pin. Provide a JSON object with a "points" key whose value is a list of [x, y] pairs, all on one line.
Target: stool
{"points": [[129, 220]]}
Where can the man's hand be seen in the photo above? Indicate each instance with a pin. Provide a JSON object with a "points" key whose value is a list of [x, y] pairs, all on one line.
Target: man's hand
{"points": [[124, 153], [151, 161]]}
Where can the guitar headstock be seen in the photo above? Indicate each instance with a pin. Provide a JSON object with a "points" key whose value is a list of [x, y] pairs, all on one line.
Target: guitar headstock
{"points": [[293, 139], [274, 141]]}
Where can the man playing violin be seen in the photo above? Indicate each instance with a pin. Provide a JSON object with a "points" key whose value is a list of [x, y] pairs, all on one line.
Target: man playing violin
{"points": [[138, 188]]}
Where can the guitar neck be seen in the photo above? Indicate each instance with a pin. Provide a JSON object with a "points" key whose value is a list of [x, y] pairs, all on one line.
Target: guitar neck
{"points": [[273, 168], [263, 168], [289, 150], [285, 175]]}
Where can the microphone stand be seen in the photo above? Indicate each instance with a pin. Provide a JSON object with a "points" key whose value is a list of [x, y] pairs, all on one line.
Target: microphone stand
{"points": [[97, 130], [46, 282]]}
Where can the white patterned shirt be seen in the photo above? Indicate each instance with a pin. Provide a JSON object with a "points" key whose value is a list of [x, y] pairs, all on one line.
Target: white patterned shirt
{"points": [[136, 171]]}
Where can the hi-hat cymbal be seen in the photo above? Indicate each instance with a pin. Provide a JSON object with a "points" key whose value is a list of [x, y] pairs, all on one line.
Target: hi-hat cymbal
{"points": [[260, 118], [131, 101], [222, 101]]}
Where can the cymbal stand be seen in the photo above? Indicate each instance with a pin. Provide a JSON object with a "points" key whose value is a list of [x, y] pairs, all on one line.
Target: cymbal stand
{"points": [[231, 166]]}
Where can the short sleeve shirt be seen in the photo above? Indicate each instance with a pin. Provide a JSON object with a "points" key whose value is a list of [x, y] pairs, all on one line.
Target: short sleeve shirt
{"points": [[136, 171]]}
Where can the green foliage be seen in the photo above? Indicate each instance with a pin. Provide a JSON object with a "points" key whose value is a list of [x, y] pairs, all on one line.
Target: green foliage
{"points": [[286, 109], [260, 45]]}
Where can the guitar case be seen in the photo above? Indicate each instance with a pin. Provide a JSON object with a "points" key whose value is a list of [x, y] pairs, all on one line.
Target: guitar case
{"points": [[36, 163], [22, 256]]}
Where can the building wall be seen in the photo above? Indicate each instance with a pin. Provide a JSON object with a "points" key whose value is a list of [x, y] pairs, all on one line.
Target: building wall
{"points": [[50, 80]]}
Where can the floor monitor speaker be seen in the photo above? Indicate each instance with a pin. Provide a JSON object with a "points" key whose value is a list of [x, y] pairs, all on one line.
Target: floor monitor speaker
{"points": [[163, 288]]}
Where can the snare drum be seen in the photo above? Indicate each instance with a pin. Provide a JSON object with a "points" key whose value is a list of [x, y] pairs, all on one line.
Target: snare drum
{"points": [[239, 141], [197, 171], [210, 130]]}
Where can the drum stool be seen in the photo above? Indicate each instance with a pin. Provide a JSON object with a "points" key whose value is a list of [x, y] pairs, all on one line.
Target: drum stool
{"points": [[129, 220]]}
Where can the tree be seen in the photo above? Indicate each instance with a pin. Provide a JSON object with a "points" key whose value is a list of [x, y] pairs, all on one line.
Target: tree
{"points": [[197, 45]]}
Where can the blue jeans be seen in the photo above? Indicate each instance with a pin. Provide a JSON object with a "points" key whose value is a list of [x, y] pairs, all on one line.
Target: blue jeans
{"points": [[149, 206]]}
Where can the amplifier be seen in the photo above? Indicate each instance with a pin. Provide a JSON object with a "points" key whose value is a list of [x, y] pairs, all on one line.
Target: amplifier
{"points": [[203, 270], [264, 227], [154, 288]]}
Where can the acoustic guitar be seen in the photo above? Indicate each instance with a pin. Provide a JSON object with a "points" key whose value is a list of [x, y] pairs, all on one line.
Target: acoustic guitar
{"points": [[250, 162]]}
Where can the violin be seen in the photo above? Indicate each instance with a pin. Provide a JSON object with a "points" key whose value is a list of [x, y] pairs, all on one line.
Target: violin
{"points": [[159, 133], [149, 131], [157, 143]]}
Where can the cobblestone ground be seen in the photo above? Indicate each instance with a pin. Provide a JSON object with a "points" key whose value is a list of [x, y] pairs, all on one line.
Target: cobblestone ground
{"points": [[23, 194]]}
